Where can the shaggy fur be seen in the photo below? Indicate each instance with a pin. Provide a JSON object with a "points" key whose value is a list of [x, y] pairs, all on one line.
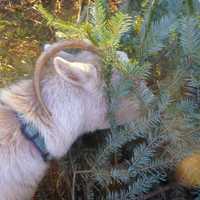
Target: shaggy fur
{"points": [[73, 92]]}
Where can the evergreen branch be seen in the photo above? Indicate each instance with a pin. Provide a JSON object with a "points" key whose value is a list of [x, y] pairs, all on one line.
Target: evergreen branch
{"points": [[136, 70], [143, 155], [108, 176], [100, 16], [70, 30], [190, 38], [118, 25], [143, 185], [148, 19], [190, 6]]}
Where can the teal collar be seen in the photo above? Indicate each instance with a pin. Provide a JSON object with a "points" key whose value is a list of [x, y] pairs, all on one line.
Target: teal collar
{"points": [[32, 134]]}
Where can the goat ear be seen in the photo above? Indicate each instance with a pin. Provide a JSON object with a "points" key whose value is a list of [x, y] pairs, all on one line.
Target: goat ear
{"points": [[76, 73]]}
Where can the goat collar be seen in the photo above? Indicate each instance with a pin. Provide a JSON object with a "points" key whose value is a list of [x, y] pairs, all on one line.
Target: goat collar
{"points": [[32, 134]]}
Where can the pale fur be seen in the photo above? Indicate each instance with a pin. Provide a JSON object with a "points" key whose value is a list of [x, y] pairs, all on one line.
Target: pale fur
{"points": [[74, 111]]}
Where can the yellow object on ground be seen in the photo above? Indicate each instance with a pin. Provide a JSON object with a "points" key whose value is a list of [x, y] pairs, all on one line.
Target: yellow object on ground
{"points": [[188, 171]]}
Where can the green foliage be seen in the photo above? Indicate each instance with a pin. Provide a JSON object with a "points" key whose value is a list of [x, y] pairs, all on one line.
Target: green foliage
{"points": [[102, 30], [190, 38], [66, 29]]}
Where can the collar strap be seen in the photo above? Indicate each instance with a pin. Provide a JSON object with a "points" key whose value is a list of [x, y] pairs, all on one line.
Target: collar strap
{"points": [[32, 134]]}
